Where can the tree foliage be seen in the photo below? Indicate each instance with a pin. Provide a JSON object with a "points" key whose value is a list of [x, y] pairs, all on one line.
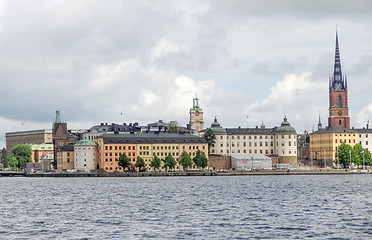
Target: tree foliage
{"points": [[172, 129], [200, 159], [140, 164], [155, 162], [210, 137], [124, 161], [345, 153], [12, 162], [170, 161], [185, 160], [22, 153], [4, 158]]}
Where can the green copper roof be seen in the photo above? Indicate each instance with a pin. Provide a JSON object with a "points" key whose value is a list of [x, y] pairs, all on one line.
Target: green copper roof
{"points": [[58, 117], [85, 143], [285, 128], [42, 147], [216, 127]]}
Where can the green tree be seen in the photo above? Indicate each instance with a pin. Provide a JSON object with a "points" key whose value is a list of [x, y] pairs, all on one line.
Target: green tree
{"points": [[367, 157], [12, 162], [357, 156], [343, 154], [4, 158], [22, 153], [170, 161], [200, 159], [172, 129], [155, 162], [124, 161], [140, 163], [210, 137], [185, 160]]}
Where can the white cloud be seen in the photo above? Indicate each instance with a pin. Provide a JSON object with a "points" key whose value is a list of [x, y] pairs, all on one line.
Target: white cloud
{"points": [[296, 96], [364, 116], [164, 47]]}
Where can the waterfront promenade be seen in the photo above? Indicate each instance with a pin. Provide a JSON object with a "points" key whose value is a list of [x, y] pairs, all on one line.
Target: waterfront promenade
{"points": [[319, 171]]}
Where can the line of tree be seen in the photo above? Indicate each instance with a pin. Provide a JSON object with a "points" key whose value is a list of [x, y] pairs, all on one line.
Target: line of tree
{"points": [[200, 160], [356, 155], [18, 159]]}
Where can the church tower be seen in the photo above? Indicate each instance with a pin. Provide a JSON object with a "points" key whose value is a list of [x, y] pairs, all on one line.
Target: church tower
{"points": [[196, 116], [338, 106]]}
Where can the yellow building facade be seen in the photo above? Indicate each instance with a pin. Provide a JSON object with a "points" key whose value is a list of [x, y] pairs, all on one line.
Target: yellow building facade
{"points": [[324, 143]]}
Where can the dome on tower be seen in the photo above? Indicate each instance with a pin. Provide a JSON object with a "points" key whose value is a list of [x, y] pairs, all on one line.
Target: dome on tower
{"points": [[285, 128], [216, 128]]}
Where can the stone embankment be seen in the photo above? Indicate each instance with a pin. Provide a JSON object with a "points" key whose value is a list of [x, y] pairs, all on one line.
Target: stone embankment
{"points": [[185, 174]]}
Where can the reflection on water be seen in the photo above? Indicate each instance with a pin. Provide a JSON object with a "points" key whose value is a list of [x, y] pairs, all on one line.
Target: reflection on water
{"points": [[241, 207]]}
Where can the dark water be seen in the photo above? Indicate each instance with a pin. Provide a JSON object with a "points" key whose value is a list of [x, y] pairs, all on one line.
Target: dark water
{"points": [[243, 207]]}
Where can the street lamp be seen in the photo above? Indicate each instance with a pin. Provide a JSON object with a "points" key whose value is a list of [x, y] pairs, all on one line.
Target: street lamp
{"points": [[252, 164]]}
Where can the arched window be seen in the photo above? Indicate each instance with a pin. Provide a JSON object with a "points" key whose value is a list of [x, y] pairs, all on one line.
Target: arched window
{"points": [[339, 101], [339, 122]]}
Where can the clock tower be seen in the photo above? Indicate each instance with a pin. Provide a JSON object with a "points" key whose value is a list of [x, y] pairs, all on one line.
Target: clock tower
{"points": [[338, 106], [196, 116]]}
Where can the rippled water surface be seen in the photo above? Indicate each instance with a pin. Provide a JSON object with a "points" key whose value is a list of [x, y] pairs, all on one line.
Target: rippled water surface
{"points": [[241, 207]]}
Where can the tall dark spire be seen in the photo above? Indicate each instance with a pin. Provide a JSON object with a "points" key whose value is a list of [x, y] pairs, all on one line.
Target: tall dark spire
{"points": [[338, 82]]}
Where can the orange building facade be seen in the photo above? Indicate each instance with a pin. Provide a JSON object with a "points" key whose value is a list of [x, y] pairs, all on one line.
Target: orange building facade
{"points": [[146, 146]]}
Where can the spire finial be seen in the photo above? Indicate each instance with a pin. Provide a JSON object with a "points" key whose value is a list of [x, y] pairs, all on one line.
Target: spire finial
{"points": [[337, 79]]}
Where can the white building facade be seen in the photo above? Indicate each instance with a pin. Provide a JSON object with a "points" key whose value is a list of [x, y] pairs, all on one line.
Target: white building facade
{"points": [[279, 143], [85, 152]]}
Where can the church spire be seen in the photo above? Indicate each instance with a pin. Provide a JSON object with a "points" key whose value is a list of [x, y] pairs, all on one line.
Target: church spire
{"points": [[338, 82]]}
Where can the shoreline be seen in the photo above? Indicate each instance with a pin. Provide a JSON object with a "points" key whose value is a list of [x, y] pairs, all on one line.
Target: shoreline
{"points": [[186, 174]]}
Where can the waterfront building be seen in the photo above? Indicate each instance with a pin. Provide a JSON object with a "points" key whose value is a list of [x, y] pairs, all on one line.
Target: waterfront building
{"points": [[61, 139], [324, 144], [196, 116], [46, 162], [325, 141], [40, 150], [95, 131], [279, 143], [146, 145], [85, 155], [65, 158], [241, 161], [28, 137], [365, 137]]}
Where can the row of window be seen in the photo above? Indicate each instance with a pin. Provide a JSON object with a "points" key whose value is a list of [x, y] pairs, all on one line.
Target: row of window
{"points": [[116, 154], [254, 137], [256, 151], [120, 147], [153, 148], [346, 141], [260, 143], [349, 135]]}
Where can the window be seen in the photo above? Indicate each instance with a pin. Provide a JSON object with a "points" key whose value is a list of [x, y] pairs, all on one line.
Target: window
{"points": [[366, 142], [260, 137]]}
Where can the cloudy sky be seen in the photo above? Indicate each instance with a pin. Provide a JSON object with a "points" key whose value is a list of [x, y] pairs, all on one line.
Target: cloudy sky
{"points": [[94, 60]]}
